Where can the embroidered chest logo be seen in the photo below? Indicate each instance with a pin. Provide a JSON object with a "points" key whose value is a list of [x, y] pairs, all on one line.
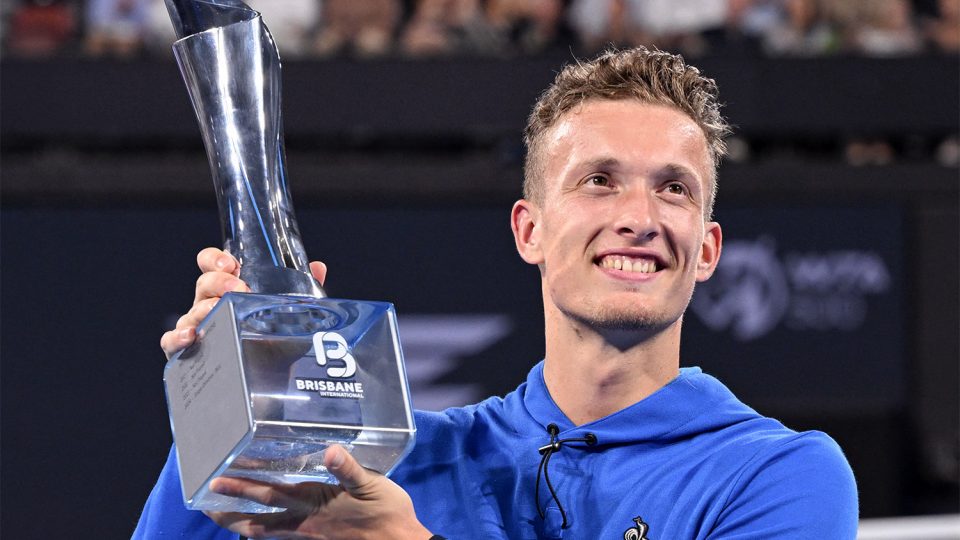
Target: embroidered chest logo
{"points": [[638, 531]]}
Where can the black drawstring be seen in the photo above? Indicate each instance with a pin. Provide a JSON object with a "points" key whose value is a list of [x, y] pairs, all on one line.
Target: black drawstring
{"points": [[546, 451]]}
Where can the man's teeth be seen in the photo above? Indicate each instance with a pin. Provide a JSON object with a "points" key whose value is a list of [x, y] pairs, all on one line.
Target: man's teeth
{"points": [[617, 262]]}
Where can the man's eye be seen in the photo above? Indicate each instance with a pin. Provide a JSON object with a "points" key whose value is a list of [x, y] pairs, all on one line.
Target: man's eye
{"points": [[598, 180], [676, 188]]}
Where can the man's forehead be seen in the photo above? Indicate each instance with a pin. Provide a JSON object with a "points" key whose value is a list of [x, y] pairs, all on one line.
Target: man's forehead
{"points": [[628, 123]]}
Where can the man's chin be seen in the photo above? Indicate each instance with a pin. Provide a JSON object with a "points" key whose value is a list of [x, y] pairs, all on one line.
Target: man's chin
{"points": [[610, 320]]}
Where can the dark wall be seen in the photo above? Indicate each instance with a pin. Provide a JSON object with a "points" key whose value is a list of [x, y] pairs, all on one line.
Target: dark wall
{"points": [[146, 100]]}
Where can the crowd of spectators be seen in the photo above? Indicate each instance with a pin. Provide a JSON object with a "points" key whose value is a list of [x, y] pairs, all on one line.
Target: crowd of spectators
{"points": [[37, 29], [431, 28]]}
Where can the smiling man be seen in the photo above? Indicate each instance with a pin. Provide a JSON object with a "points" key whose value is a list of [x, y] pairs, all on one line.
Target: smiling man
{"points": [[615, 218], [608, 437]]}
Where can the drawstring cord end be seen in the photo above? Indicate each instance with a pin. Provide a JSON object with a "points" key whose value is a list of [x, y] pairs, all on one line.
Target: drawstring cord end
{"points": [[547, 451]]}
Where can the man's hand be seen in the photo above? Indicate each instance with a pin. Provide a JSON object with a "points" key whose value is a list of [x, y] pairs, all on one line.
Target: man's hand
{"points": [[219, 275], [366, 505]]}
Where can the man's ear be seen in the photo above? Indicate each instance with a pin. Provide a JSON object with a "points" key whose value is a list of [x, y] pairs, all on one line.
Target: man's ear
{"points": [[709, 250], [525, 222]]}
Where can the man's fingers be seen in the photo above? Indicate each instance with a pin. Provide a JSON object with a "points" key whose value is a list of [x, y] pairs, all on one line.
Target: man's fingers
{"points": [[186, 330], [364, 501], [249, 525], [352, 476], [270, 525], [214, 260], [306, 496], [197, 313], [299, 500], [235, 521], [251, 490], [216, 284], [201, 309], [319, 271], [178, 339]]}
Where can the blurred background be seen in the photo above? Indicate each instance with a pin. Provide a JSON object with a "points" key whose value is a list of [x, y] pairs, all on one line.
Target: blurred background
{"points": [[835, 306]]}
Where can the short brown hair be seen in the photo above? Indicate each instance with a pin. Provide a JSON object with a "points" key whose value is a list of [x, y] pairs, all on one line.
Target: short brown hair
{"points": [[650, 76]]}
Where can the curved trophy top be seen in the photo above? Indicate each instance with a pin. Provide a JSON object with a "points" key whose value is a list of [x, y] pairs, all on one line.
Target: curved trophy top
{"points": [[194, 16], [231, 67]]}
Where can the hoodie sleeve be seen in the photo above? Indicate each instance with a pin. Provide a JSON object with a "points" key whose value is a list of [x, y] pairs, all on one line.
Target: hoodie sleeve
{"points": [[165, 517], [801, 488]]}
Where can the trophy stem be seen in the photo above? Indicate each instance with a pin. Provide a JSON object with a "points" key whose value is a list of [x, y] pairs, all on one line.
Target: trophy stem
{"points": [[231, 69]]}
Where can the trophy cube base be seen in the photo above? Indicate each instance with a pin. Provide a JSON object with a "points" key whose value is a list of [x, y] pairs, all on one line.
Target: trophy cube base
{"points": [[273, 381]]}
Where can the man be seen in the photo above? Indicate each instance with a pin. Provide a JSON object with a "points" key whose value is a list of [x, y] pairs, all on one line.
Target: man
{"points": [[608, 437]]}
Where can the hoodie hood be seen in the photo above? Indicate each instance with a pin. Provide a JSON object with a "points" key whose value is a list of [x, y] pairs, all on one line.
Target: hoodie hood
{"points": [[676, 411]]}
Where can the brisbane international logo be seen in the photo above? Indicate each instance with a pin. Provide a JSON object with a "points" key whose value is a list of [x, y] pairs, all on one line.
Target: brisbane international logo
{"points": [[334, 355]]}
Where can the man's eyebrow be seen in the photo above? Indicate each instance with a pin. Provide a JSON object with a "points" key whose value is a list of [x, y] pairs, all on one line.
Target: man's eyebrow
{"points": [[604, 162], [674, 169]]}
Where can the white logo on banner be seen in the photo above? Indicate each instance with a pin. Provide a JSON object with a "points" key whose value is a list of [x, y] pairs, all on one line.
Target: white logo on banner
{"points": [[432, 347], [754, 290]]}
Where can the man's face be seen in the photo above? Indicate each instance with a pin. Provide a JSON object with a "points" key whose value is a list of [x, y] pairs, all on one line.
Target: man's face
{"points": [[620, 236]]}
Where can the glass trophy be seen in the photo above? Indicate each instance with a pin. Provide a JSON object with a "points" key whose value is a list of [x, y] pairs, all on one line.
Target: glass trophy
{"points": [[277, 375]]}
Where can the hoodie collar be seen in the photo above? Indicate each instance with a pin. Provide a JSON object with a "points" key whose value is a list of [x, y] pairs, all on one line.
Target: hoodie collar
{"points": [[675, 410]]}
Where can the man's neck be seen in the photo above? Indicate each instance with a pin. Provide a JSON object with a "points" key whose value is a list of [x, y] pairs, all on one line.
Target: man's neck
{"points": [[592, 374]]}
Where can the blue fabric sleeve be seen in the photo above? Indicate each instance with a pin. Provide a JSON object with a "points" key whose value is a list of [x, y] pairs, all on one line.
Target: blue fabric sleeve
{"points": [[165, 517], [800, 489]]}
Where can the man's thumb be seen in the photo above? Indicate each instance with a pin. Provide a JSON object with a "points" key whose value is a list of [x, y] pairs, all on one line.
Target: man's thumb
{"points": [[350, 473]]}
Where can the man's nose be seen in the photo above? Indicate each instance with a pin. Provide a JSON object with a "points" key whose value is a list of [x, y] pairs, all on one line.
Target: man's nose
{"points": [[637, 215]]}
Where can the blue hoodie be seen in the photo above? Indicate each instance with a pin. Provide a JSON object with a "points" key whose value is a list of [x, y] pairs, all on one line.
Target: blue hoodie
{"points": [[690, 461]]}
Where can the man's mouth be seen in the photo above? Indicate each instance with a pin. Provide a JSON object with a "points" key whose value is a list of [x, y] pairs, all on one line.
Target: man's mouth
{"points": [[638, 265]]}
